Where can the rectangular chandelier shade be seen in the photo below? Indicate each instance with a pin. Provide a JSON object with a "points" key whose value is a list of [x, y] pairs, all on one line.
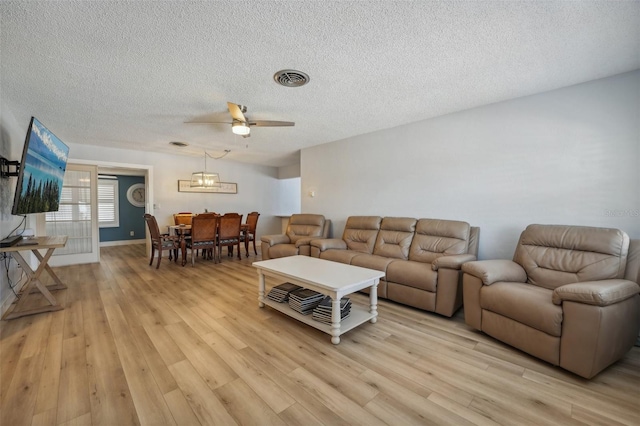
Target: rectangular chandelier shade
{"points": [[205, 180]]}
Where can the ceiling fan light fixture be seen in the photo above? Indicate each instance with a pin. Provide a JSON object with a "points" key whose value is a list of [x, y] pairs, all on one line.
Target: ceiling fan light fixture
{"points": [[240, 128]]}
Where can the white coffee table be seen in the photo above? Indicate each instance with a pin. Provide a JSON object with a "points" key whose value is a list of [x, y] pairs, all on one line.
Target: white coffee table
{"points": [[329, 278]]}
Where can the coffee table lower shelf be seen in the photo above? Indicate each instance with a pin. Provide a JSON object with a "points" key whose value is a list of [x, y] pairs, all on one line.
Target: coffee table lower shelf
{"points": [[357, 316]]}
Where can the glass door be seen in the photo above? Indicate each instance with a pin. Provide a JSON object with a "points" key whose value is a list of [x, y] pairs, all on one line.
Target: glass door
{"points": [[77, 217]]}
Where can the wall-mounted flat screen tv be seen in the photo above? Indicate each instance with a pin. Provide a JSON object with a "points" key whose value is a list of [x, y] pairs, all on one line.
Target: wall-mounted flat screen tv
{"points": [[44, 161]]}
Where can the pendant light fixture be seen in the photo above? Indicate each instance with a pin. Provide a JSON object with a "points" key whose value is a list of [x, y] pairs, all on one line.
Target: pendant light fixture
{"points": [[204, 179]]}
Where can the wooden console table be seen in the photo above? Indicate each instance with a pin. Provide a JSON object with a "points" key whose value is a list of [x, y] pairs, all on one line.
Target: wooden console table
{"points": [[50, 244]]}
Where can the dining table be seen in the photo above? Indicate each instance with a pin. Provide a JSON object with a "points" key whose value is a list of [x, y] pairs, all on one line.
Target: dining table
{"points": [[181, 231]]}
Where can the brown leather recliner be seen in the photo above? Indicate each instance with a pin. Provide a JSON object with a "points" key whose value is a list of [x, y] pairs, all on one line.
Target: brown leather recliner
{"points": [[567, 296], [302, 228]]}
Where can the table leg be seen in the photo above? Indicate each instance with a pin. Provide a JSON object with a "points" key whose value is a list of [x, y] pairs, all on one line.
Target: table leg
{"points": [[335, 319], [261, 286], [373, 301], [58, 284], [34, 279], [183, 248]]}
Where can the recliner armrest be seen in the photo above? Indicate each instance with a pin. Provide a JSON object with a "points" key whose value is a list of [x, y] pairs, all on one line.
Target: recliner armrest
{"points": [[329, 243], [303, 241], [452, 262], [273, 240], [599, 293], [491, 271]]}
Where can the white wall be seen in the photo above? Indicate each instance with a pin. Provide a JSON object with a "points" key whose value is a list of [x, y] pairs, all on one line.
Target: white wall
{"points": [[290, 185], [570, 156], [12, 135], [289, 172], [259, 188]]}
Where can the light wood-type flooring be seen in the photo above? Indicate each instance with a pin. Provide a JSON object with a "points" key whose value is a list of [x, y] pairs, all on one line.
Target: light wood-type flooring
{"points": [[189, 346]]}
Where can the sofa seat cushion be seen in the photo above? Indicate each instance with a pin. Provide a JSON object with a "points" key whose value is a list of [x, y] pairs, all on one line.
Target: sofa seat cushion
{"points": [[337, 255], [371, 261], [283, 250], [414, 274], [526, 303]]}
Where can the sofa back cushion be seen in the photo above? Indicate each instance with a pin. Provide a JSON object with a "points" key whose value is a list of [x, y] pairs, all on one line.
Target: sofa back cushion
{"points": [[360, 233], [305, 225], [554, 255], [435, 238], [394, 237]]}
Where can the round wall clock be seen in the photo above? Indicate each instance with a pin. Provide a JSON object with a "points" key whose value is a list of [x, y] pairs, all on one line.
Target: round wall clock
{"points": [[136, 195]]}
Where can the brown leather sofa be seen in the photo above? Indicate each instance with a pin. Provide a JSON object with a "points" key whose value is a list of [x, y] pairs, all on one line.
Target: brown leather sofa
{"points": [[569, 297], [301, 229], [421, 258]]}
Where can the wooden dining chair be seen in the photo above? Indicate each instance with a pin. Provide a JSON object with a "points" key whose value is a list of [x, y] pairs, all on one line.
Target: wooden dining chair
{"points": [[249, 232], [229, 232], [160, 241], [203, 236], [182, 218]]}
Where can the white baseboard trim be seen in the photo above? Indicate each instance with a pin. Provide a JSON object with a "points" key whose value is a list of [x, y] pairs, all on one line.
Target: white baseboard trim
{"points": [[121, 243]]}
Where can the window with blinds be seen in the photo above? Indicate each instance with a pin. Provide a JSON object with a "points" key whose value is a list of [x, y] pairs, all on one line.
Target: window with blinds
{"points": [[108, 216]]}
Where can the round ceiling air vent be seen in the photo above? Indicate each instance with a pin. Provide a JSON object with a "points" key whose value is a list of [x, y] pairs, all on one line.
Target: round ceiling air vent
{"points": [[179, 144], [291, 78]]}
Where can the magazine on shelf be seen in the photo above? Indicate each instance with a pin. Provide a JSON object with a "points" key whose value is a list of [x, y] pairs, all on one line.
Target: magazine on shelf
{"points": [[326, 304], [280, 293], [304, 300], [305, 294], [287, 287], [327, 320], [323, 311]]}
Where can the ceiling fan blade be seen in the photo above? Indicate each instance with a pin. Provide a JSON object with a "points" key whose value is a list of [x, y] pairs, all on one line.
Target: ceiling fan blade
{"points": [[270, 123], [208, 122], [248, 135], [236, 112]]}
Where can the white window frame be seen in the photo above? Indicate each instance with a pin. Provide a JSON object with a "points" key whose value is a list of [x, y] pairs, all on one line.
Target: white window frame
{"points": [[113, 182]]}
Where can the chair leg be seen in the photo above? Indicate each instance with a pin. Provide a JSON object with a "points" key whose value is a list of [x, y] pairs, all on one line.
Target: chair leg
{"points": [[159, 257], [246, 246], [239, 255], [254, 246], [153, 252]]}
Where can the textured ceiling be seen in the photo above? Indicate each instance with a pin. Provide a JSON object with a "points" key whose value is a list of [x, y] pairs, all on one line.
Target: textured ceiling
{"points": [[128, 74]]}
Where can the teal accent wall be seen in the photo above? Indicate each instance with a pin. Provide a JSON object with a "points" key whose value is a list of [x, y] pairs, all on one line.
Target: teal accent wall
{"points": [[131, 218]]}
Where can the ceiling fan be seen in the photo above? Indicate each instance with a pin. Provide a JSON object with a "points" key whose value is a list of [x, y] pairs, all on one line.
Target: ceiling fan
{"points": [[241, 125]]}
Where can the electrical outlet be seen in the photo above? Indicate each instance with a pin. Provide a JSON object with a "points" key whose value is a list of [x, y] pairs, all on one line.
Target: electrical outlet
{"points": [[131, 233]]}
